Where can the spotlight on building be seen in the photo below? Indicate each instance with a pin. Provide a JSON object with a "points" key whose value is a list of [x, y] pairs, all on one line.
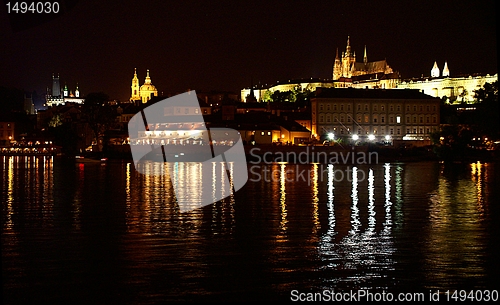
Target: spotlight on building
{"points": [[371, 137], [387, 137], [355, 137], [331, 136]]}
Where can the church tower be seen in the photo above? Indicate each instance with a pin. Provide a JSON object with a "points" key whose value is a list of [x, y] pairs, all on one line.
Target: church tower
{"points": [[135, 88], [337, 67], [446, 71], [347, 60], [56, 87], [435, 70]]}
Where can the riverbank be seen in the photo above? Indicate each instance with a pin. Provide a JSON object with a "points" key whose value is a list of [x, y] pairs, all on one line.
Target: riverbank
{"points": [[368, 154]]}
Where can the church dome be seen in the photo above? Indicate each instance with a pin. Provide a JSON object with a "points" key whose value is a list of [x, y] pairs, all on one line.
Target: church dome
{"points": [[148, 87]]}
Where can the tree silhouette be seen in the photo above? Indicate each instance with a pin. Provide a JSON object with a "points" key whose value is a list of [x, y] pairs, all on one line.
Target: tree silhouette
{"points": [[99, 115], [487, 114]]}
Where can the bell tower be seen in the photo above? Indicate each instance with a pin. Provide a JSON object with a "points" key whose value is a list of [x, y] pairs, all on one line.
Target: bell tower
{"points": [[135, 88]]}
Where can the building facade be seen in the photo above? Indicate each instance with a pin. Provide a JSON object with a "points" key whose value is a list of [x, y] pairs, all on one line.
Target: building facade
{"points": [[374, 114], [142, 93], [460, 89], [283, 86], [56, 96], [7, 132], [441, 85]]}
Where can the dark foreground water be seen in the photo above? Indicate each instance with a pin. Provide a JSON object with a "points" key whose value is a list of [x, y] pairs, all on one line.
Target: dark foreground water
{"points": [[105, 234]]}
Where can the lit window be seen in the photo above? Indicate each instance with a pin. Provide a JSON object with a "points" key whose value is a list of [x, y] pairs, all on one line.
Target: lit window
{"points": [[268, 133], [261, 133], [398, 119]]}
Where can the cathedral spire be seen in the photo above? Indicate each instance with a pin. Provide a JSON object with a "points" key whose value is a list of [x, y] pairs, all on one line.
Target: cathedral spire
{"points": [[435, 70], [446, 71], [337, 54], [348, 48]]}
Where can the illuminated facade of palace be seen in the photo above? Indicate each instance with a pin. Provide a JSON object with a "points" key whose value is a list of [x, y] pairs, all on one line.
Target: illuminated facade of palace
{"points": [[145, 92], [290, 85], [61, 97], [392, 113], [453, 88]]}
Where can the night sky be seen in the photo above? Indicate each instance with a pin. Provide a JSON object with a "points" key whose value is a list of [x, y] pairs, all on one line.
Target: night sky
{"points": [[227, 45]]}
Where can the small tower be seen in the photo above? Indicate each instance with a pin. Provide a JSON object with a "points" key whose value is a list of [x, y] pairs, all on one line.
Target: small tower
{"points": [[435, 70], [65, 90], [77, 91], [56, 88], [446, 71], [135, 88], [337, 66], [365, 58], [348, 48]]}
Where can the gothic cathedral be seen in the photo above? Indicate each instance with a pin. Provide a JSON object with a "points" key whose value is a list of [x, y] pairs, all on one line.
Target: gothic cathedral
{"points": [[347, 67]]}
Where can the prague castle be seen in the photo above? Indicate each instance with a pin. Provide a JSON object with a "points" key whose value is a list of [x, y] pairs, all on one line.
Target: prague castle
{"points": [[347, 73], [441, 85], [145, 92], [347, 67]]}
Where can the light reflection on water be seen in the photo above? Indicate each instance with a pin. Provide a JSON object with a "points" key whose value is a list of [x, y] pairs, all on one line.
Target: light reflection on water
{"points": [[316, 226]]}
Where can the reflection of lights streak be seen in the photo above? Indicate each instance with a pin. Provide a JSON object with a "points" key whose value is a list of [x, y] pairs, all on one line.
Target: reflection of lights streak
{"points": [[387, 179], [283, 221], [355, 211], [10, 191], [331, 210], [315, 198], [222, 180], [214, 182], [477, 176], [127, 181], [231, 197], [371, 201]]}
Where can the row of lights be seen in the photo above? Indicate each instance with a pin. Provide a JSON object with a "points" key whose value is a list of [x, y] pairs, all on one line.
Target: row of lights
{"points": [[355, 137]]}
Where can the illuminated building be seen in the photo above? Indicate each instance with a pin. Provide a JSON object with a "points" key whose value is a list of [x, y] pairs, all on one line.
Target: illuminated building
{"points": [[283, 86], [145, 92], [347, 67], [61, 97], [374, 114], [346, 73], [7, 132], [442, 85]]}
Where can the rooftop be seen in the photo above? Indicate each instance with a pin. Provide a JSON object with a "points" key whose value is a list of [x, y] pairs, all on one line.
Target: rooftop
{"points": [[371, 93]]}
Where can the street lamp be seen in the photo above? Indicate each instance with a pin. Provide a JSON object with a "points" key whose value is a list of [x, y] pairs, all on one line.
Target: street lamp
{"points": [[331, 136], [371, 137], [355, 137]]}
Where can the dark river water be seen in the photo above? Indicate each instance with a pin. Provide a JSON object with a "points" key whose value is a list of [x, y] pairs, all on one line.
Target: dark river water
{"points": [[106, 234]]}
